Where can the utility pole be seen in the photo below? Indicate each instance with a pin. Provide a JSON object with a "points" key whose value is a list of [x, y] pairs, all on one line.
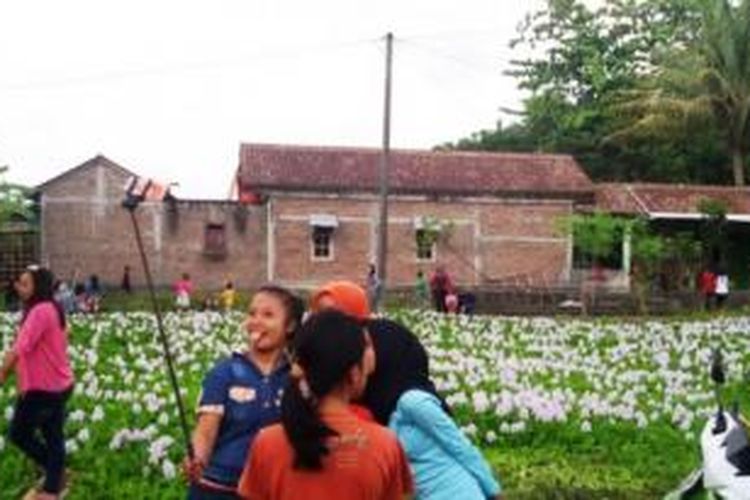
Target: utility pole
{"points": [[384, 167]]}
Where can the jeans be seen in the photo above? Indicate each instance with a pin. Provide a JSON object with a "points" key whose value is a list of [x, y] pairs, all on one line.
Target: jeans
{"points": [[199, 492], [37, 429]]}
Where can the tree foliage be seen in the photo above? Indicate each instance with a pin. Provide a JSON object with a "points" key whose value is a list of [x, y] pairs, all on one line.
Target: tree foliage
{"points": [[704, 84], [13, 200], [595, 235], [587, 67]]}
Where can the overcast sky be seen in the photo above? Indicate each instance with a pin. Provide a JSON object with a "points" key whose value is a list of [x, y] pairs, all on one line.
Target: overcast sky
{"points": [[171, 88]]}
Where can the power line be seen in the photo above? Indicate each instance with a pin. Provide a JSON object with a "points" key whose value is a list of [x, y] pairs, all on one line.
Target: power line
{"points": [[438, 83], [453, 34], [288, 53], [466, 63], [272, 55]]}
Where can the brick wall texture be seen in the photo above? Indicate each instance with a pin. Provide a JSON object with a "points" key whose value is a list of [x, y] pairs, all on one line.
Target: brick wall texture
{"points": [[85, 230]]}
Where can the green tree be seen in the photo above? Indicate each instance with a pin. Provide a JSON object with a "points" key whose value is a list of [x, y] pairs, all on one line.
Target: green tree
{"points": [[702, 84], [648, 252], [713, 228], [584, 61], [594, 235], [13, 199]]}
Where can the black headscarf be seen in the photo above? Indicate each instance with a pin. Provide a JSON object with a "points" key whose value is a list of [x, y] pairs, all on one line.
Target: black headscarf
{"points": [[401, 364]]}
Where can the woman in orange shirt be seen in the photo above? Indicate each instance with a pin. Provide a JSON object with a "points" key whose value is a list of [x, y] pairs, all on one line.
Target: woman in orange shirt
{"points": [[321, 449]]}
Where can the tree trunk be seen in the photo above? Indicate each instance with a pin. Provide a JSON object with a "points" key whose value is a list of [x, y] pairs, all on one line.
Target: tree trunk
{"points": [[738, 166]]}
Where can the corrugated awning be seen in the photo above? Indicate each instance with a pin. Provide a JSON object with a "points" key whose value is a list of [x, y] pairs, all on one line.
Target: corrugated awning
{"points": [[324, 220]]}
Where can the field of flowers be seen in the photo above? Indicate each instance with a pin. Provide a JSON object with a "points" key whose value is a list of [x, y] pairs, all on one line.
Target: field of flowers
{"points": [[562, 408]]}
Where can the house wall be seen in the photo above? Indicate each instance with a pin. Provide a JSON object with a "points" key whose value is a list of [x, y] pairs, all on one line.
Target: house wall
{"points": [[486, 240], [86, 231]]}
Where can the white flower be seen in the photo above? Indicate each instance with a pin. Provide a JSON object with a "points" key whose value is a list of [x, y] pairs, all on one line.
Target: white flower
{"points": [[490, 437], [9, 413], [71, 446], [586, 426], [83, 435], [470, 429], [98, 414], [77, 416], [168, 469], [480, 402], [117, 441]]}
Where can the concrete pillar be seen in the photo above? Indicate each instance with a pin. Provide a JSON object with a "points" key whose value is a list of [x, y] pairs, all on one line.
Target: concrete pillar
{"points": [[626, 256]]}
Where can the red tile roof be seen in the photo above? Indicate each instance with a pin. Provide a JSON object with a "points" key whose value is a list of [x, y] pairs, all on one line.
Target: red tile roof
{"points": [[668, 198], [314, 168]]}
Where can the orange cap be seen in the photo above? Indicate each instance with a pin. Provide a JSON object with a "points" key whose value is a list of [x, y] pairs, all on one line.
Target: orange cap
{"points": [[347, 297]]}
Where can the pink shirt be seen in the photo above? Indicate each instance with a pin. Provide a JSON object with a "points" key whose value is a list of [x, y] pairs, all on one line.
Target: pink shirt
{"points": [[183, 286], [42, 348]]}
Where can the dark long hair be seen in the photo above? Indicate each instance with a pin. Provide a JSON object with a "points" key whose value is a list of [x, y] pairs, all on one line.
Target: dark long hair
{"points": [[294, 307], [329, 344], [44, 291], [401, 364]]}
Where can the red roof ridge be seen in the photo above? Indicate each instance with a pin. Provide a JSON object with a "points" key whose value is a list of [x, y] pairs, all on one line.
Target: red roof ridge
{"points": [[374, 149]]}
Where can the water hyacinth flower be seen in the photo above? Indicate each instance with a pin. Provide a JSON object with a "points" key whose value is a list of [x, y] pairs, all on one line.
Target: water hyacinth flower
{"points": [[168, 469], [83, 435], [490, 437], [77, 416], [503, 376], [71, 446], [158, 449], [98, 414]]}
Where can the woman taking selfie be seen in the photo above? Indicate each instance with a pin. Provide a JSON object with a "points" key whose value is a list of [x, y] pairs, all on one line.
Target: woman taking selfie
{"points": [[242, 394]]}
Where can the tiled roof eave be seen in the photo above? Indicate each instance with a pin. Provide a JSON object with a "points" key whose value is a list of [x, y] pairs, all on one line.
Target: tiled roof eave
{"points": [[511, 193]]}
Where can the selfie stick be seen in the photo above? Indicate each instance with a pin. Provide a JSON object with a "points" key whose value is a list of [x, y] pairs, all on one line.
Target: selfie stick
{"points": [[131, 202]]}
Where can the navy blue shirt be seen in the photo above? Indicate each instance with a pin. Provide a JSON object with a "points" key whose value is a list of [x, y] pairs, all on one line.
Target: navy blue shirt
{"points": [[248, 400]]}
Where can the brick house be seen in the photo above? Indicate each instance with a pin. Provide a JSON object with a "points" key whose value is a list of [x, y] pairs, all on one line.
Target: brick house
{"points": [[85, 230], [304, 215], [498, 213]]}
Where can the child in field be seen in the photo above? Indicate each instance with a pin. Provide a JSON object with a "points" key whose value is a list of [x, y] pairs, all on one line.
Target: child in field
{"points": [[421, 289], [183, 289], [228, 296], [722, 288]]}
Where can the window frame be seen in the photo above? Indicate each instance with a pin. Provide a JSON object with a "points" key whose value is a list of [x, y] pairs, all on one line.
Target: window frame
{"points": [[314, 244], [211, 249], [432, 249]]}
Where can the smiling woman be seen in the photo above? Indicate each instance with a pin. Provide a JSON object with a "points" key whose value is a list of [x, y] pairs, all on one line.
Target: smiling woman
{"points": [[44, 379], [242, 394]]}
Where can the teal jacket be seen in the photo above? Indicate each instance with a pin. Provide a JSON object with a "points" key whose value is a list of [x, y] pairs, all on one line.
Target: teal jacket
{"points": [[444, 462]]}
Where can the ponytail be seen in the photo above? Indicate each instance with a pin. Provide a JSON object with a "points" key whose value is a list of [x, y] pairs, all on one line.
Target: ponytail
{"points": [[329, 344], [304, 428]]}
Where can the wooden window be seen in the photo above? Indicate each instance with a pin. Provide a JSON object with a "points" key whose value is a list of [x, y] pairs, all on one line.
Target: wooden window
{"points": [[215, 242], [425, 245], [322, 243]]}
